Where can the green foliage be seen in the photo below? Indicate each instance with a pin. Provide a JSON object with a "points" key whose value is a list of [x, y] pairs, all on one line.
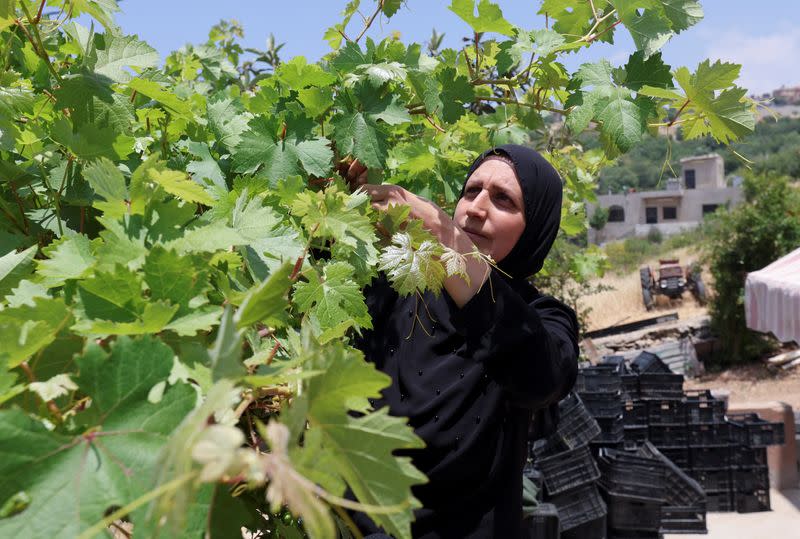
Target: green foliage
{"points": [[181, 264], [744, 239], [599, 218]]}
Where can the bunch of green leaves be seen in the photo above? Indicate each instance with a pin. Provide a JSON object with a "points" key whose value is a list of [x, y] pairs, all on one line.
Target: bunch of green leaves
{"points": [[179, 252]]}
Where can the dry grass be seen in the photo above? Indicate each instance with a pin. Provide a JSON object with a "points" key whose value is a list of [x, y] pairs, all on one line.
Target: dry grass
{"points": [[624, 303]]}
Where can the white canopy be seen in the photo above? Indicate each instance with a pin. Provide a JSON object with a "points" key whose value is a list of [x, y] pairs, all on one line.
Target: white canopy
{"points": [[772, 298]]}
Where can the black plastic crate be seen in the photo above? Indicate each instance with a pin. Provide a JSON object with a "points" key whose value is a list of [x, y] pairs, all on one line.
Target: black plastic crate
{"points": [[543, 447], [635, 433], [568, 470], [748, 456], [542, 523], [710, 457], [630, 385], [680, 520], [599, 379], [611, 430], [709, 434], [658, 386], [680, 489], [576, 427], [593, 529], [750, 430], [603, 404], [634, 413], [751, 479], [752, 502], [649, 363], [714, 479], [677, 455], [720, 501], [668, 435], [577, 506], [631, 475], [666, 412], [703, 407], [627, 513]]}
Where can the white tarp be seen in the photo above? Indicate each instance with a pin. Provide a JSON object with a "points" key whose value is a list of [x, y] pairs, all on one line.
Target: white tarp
{"points": [[772, 298]]}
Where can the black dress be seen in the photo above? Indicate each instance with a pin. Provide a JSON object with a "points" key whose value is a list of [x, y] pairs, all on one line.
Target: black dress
{"points": [[469, 383]]}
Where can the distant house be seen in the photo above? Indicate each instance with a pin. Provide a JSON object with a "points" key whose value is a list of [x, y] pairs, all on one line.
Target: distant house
{"points": [[787, 95], [681, 205]]}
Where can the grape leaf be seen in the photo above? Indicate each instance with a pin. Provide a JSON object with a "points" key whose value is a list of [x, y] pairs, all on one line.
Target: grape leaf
{"points": [[108, 183], [90, 142], [154, 91], [411, 268], [571, 17], [647, 23], [640, 72], [115, 53], [489, 18], [360, 448], [259, 151], [25, 330], [174, 278], [179, 184], [682, 13], [334, 300], [72, 480], [456, 93], [14, 267], [68, 258], [297, 73], [267, 302], [227, 120]]}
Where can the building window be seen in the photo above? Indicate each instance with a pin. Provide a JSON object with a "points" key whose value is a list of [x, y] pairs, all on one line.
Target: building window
{"points": [[616, 214], [709, 208], [688, 176], [669, 212], [650, 215]]}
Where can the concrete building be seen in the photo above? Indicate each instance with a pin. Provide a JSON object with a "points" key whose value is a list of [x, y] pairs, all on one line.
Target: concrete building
{"points": [[681, 205]]}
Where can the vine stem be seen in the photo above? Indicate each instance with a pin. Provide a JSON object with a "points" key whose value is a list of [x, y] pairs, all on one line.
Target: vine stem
{"points": [[672, 122], [135, 504], [38, 45], [521, 104], [370, 20]]}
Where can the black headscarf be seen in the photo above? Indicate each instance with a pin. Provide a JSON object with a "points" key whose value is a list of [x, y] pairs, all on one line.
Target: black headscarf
{"points": [[541, 193]]}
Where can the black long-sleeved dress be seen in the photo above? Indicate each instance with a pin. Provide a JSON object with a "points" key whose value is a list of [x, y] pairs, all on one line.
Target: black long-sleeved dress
{"points": [[469, 390]]}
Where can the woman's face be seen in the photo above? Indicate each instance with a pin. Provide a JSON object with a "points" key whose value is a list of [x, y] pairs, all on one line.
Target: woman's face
{"points": [[492, 210]]}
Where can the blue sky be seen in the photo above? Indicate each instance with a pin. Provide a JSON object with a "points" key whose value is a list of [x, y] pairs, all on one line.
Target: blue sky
{"points": [[763, 36]]}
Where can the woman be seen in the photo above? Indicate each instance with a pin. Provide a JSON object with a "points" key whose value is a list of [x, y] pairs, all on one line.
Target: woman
{"points": [[471, 366]]}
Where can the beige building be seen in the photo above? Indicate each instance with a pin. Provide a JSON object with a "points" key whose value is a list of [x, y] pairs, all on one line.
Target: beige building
{"points": [[681, 205]]}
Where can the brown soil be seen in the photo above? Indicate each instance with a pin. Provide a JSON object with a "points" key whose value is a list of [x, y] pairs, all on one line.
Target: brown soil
{"points": [[753, 383]]}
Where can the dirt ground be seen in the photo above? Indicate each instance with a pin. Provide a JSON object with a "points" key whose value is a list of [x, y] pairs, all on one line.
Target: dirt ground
{"points": [[753, 383], [748, 383], [624, 303]]}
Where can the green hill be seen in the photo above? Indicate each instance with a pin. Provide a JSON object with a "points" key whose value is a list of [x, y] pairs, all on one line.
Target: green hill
{"points": [[775, 146]]}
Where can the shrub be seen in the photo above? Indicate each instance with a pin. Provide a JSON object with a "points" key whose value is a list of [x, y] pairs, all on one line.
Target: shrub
{"points": [[654, 235], [747, 238]]}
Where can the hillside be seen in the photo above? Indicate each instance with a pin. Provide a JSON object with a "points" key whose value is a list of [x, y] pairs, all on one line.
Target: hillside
{"points": [[774, 146]]}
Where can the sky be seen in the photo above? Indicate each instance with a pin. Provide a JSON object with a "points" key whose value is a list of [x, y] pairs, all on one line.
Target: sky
{"points": [[763, 35]]}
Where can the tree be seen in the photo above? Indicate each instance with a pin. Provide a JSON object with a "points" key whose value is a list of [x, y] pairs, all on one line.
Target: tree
{"points": [[182, 265], [747, 238]]}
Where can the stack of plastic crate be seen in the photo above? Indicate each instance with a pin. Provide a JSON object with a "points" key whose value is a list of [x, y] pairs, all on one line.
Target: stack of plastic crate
{"points": [[661, 400], [750, 435], [710, 448], [632, 485], [600, 388], [569, 472], [684, 509]]}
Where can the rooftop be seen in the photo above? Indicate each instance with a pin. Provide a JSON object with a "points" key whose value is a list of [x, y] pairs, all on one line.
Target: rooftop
{"points": [[701, 157]]}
